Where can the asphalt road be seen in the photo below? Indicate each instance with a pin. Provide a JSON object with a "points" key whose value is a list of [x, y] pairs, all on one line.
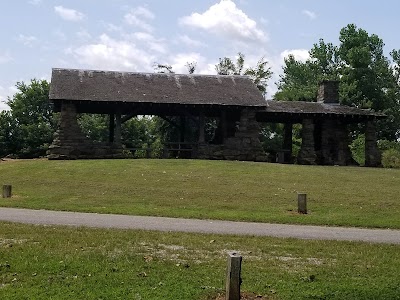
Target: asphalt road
{"points": [[45, 217]]}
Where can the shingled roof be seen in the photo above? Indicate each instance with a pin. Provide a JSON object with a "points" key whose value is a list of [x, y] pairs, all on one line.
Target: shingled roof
{"points": [[312, 108], [108, 86], [296, 111]]}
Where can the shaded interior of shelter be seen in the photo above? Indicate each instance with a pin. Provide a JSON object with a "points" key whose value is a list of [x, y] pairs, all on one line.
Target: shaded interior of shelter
{"points": [[234, 103]]}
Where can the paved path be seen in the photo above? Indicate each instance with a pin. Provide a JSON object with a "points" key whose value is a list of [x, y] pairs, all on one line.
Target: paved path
{"points": [[201, 226]]}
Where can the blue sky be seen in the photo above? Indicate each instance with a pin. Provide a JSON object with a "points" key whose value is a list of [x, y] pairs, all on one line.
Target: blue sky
{"points": [[131, 35]]}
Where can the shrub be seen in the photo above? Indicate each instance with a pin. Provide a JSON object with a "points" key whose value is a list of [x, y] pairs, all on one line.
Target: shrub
{"points": [[357, 148], [391, 158]]}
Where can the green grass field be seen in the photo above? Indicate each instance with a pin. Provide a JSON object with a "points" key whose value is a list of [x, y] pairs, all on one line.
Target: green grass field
{"points": [[343, 196], [38, 262]]}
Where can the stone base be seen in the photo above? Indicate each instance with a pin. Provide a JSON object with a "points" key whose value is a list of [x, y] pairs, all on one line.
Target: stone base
{"points": [[244, 145]]}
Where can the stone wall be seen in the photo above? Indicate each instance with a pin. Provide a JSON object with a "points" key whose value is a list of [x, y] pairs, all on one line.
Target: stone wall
{"points": [[373, 157], [70, 143], [244, 145], [335, 144], [333, 141], [307, 155]]}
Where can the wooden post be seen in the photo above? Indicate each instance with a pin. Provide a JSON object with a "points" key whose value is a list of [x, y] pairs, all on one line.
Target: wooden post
{"points": [[7, 191], [117, 129], [233, 279], [111, 128], [224, 125], [302, 203], [202, 123]]}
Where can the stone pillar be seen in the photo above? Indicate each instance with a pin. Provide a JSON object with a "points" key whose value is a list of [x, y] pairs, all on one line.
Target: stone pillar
{"points": [[372, 154], [69, 139], [307, 154], [344, 156], [202, 124]]}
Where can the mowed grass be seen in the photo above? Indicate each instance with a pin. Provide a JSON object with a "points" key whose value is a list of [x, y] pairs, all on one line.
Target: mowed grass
{"points": [[50, 262], [246, 191]]}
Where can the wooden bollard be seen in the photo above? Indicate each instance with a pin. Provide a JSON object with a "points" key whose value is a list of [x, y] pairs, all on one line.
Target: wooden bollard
{"points": [[233, 279], [7, 191], [302, 203]]}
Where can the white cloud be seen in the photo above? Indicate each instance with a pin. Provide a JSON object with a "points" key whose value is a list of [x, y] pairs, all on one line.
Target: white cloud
{"points": [[138, 17], [226, 19], [299, 54], [69, 14], [310, 14], [4, 94], [186, 40], [5, 58], [179, 61], [111, 54], [26, 40], [149, 41]]}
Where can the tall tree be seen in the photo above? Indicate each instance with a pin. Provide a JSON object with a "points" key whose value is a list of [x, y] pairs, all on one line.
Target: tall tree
{"points": [[366, 77], [30, 124], [260, 74]]}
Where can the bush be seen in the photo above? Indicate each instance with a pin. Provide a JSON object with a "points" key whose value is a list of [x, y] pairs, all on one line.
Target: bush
{"points": [[357, 148], [391, 158]]}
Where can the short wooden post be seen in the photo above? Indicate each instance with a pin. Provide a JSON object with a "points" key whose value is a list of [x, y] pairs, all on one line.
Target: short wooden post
{"points": [[233, 279], [7, 191], [302, 203]]}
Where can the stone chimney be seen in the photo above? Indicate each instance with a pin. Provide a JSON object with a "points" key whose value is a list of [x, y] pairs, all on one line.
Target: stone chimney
{"points": [[328, 92]]}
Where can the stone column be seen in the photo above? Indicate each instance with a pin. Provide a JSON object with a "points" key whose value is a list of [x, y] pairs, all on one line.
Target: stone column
{"points": [[69, 140], [307, 154], [372, 154]]}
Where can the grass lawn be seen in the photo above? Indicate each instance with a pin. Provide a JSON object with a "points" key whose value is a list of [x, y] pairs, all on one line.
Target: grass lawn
{"points": [[38, 262], [344, 196]]}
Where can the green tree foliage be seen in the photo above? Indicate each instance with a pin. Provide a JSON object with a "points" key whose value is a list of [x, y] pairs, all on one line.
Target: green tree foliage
{"points": [[368, 80], [27, 129], [95, 127], [260, 74]]}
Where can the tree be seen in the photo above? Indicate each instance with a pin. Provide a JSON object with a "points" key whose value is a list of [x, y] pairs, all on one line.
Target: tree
{"points": [[260, 74], [27, 129], [366, 77]]}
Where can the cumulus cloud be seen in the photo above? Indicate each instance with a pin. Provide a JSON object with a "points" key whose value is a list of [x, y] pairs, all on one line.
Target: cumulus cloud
{"points": [[226, 19], [299, 54], [310, 14], [179, 61], [27, 40], [148, 41], [113, 54], [4, 94], [69, 14], [139, 17]]}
